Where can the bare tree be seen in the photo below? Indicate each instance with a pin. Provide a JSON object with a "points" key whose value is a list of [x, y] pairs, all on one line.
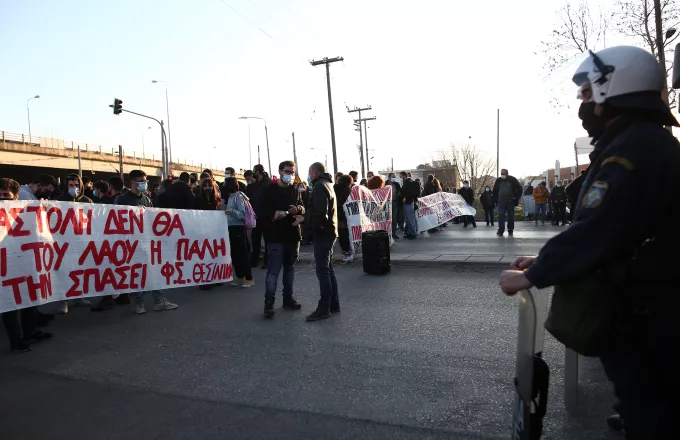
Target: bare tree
{"points": [[577, 31], [470, 164], [636, 19]]}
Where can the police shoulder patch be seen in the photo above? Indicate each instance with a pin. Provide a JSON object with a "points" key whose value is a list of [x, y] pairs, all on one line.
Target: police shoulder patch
{"points": [[595, 194]]}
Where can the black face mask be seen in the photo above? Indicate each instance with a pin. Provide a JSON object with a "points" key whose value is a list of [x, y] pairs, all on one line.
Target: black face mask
{"points": [[43, 194], [592, 123]]}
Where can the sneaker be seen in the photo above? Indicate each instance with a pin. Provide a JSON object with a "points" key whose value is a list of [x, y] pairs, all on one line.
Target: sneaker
{"points": [[474, 226], [106, 303], [123, 299], [499, 233], [81, 302], [290, 303], [164, 304], [247, 283], [509, 232], [238, 282], [335, 308], [269, 309], [62, 308], [318, 315], [140, 309]]}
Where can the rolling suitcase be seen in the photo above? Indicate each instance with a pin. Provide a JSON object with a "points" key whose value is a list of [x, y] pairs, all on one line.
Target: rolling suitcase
{"points": [[375, 248]]}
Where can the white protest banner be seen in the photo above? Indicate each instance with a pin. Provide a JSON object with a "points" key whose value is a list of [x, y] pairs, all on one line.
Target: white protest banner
{"points": [[368, 210], [54, 251], [439, 208]]}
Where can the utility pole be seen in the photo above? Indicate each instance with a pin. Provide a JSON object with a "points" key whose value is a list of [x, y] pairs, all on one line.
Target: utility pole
{"points": [[392, 165], [327, 61], [80, 168], [120, 160], [295, 155], [365, 134], [361, 149], [361, 135]]}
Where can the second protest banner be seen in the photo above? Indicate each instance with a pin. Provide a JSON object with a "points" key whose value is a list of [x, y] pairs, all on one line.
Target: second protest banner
{"points": [[439, 208], [368, 210], [55, 251]]}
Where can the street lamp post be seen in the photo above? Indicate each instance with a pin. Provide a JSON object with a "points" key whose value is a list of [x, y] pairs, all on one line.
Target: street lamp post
{"points": [[167, 110], [28, 112], [266, 134]]}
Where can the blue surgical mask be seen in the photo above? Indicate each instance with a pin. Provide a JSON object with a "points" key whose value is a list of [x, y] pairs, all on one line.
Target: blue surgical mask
{"points": [[74, 192], [488, 190], [309, 180], [465, 185], [141, 186], [287, 178]]}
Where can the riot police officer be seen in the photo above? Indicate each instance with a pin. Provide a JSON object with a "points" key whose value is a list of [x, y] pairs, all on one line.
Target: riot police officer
{"points": [[618, 220]]}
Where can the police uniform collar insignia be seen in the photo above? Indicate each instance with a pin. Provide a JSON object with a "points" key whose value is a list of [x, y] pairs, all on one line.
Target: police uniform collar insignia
{"points": [[595, 194]]}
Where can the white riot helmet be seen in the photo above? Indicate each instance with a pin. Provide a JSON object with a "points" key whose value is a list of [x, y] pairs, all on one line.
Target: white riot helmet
{"points": [[618, 71]]}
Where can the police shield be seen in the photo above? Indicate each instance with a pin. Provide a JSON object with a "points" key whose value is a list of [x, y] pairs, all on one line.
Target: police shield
{"points": [[531, 371]]}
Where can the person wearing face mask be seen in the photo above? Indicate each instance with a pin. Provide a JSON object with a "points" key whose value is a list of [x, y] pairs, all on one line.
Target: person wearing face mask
{"points": [[506, 193], [101, 190], [541, 195], [558, 198], [324, 220], [262, 183], [137, 197], [179, 195], [21, 332], [74, 190], [342, 191], [469, 196], [616, 249], [488, 205], [208, 200], [236, 212], [231, 172], [397, 205], [41, 187], [282, 211]]}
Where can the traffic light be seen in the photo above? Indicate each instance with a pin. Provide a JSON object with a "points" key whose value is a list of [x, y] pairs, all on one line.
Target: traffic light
{"points": [[117, 106]]}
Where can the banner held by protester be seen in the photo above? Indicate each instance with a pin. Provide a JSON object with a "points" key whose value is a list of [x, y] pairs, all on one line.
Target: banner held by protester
{"points": [[368, 210], [439, 208], [55, 251]]}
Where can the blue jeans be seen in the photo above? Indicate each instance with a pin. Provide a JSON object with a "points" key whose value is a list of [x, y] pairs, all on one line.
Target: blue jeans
{"points": [[506, 209], [328, 285], [139, 296], [541, 209], [410, 214], [280, 255], [397, 209]]}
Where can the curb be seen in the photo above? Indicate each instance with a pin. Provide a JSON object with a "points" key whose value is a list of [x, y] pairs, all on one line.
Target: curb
{"points": [[490, 262]]}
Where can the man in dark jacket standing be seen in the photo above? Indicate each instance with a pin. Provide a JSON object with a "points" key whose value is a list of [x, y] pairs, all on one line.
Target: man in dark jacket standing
{"points": [[558, 198], [324, 219], [469, 196], [488, 204], [179, 195], [410, 191], [257, 199], [506, 193]]}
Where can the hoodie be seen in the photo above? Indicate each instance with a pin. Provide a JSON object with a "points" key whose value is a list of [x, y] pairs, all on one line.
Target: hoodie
{"points": [[82, 198], [323, 212], [26, 193]]}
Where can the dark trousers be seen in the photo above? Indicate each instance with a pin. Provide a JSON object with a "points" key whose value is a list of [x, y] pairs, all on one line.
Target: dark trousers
{"points": [[506, 210], [469, 219], [488, 215], [328, 285], [256, 239], [238, 242], [16, 330], [345, 242], [560, 213], [645, 377]]}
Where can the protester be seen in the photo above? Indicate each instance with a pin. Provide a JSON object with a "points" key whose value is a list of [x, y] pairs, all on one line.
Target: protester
{"points": [[363, 182], [116, 187], [397, 205], [355, 177], [375, 182], [101, 191], [342, 191], [410, 191], [179, 195], [262, 183], [88, 190], [208, 200], [469, 196], [41, 187], [235, 209], [21, 332], [369, 175], [506, 193], [324, 221], [558, 198], [136, 197], [488, 205], [306, 225], [75, 190], [338, 175], [429, 187], [541, 194], [231, 172]]}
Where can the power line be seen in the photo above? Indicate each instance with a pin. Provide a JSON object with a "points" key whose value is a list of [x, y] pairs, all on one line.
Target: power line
{"points": [[246, 19]]}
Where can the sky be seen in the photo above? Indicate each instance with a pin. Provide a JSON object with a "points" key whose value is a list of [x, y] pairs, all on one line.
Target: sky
{"points": [[434, 73]]}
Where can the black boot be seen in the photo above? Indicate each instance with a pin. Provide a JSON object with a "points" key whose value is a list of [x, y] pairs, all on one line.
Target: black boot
{"points": [[290, 303], [20, 346], [38, 336], [317, 315], [615, 423], [269, 309]]}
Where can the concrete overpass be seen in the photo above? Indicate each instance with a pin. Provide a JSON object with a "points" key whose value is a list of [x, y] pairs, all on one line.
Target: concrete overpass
{"points": [[22, 158]]}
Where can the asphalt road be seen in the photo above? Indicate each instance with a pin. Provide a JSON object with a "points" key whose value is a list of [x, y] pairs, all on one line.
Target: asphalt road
{"points": [[422, 353]]}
